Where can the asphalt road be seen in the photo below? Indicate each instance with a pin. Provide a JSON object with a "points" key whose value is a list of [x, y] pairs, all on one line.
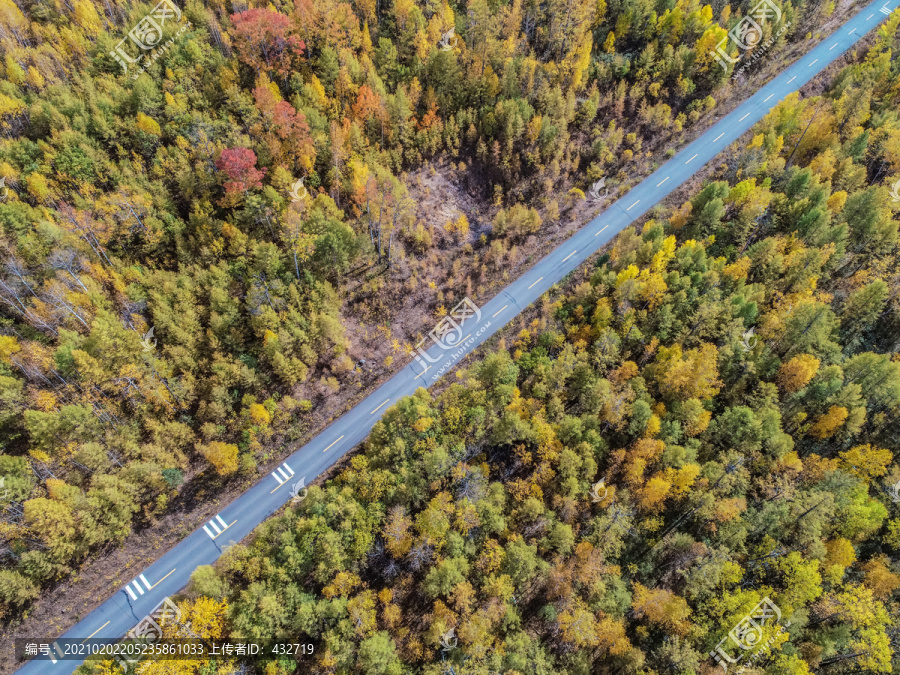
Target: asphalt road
{"points": [[171, 572]]}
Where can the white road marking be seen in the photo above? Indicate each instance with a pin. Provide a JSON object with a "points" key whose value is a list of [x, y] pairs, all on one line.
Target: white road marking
{"points": [[813, 63], [281, 475], [717, 138], [869, 17], [601, 230], [146, 583], [852, 32], [691, 159], [499, 310], [569, 256], [792, 79], [833, 46], [379, 407], [770, 96], [667, 177], [636, 203], [215, 527], [744, 117], [130, 592], [535, 282]]}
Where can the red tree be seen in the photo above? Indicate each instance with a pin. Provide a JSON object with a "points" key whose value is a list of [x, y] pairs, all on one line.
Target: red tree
{"points": [[287, 130], [262, 40], [239, 164]]}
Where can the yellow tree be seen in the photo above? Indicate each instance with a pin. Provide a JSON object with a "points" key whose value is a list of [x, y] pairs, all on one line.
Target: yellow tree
{"points": [[827, 425], [705, 49], [223, 456], [396, 532], [578, 626], [839, 556], [205, 619], [611, 636], [866, 461], [361, 610], [879, 578], [694, 374], [795, 374], [662, 608], [866, 621]]}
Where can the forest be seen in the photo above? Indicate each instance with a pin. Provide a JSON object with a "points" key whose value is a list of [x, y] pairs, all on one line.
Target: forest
{"points": [[171, 318], [632, 471], [610, 488]]}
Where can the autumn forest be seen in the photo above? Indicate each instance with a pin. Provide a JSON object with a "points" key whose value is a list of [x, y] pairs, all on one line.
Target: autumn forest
{"points": [[209, 254]]}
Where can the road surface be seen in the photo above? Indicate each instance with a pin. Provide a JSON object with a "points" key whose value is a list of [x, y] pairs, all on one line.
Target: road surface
{"points": [[168, 575]]}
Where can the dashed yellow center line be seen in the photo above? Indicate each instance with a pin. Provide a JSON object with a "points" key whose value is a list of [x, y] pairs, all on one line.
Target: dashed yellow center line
{"points": [[415, 378], [569, 256], [633, 205], [341, 436], [499, 310], [379, 407], [95, 632], [601, 230], [535, 282], [170, 573], [662, 181]]}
